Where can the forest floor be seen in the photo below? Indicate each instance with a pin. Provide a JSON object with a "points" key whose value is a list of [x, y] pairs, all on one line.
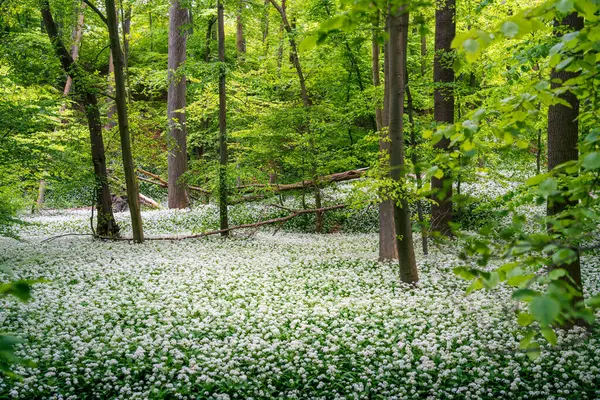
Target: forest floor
{"points": [[267, 316]]}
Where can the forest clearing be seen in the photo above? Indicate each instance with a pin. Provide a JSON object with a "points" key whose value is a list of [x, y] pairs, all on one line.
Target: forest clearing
{"points": [[303, 199]]}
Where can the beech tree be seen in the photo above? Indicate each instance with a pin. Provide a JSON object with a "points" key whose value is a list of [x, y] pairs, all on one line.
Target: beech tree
{"points": [[133, 197], [223, 156], [443, 77], [176, 103], [398, 34], [106, 224], [563, 138]]}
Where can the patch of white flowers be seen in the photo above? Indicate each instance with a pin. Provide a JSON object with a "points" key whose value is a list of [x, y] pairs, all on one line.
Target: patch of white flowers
{"points": [[267, 316]]}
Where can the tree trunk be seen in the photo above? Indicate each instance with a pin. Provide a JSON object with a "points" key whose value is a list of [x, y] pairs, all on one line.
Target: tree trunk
{"points": [[240, 41], [563, 136], [77, 34], [306, 101], [177, 140], [106, 225], [41, 195], [265, 25], [375, 69], [398, 34], [112, 108], [133, 197], [423, 52], [387, 230], [209, 31], [415, 161], [223, 156], [443, 77]]}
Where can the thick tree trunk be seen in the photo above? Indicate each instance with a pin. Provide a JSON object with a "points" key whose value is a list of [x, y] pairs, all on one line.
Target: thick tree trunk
{"points": [[223, 156], [133, 197], [240, 41], [106, 224], [387, 229], [177, 140], [443, 77], [398, 34], [563, 136]]}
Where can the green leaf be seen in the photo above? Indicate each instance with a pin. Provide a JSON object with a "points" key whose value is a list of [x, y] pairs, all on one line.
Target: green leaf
{"points": [[544, 309], [536, 179], [524, 319], [550, 336], [557, 274], [533, 351], [591, 161], [564, 256], [308, 43], [564, 6], [525, 294], [465, 273], [510, 29], [548, 187]]}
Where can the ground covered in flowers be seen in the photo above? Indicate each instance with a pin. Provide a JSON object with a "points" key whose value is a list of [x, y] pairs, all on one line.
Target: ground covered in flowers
{"points": [[283, 315]]}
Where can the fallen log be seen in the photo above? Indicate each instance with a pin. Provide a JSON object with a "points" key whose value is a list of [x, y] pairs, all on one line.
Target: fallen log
{"points": [[149, 201], [164, 184], [271, 188]]}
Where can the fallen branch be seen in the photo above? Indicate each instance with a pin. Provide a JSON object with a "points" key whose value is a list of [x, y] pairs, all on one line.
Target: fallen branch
{"points": [[281, 220], [151, 202], [269, 188], [164, 184]]}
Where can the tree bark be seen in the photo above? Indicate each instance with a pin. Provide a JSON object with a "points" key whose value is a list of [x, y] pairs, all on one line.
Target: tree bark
{"points": [[77, 35], [563, 136], [398, 35], [443, 77], [177, 140], [223, 156], [41, 195], [133, 197], [240, 41], [376, 68], [306, 101], [106, 224], [387, 229]]}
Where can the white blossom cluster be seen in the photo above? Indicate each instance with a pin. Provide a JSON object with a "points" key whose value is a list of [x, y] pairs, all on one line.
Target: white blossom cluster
{"points": [[293, 316], [269, 316]]}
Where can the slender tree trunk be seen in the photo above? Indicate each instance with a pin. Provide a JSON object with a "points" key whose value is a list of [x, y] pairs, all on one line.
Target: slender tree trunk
{"points": [[306, 101], [415, 161], [563, 136], [133, 197], [423, 52], [240, 41], [112, 108], [376, 68], [41, 195], [265, 25], [177, 141], [209, 31], [126, 30], [443, 76], [387, 229], [398, 34], [106, 225], [223, 156], [77, 35]]}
